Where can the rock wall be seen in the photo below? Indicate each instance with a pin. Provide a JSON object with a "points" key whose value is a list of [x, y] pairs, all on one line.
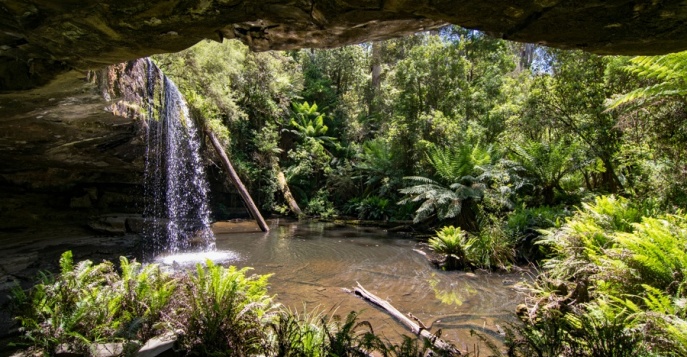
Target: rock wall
{"points": [[65, 155], [42, 38]]}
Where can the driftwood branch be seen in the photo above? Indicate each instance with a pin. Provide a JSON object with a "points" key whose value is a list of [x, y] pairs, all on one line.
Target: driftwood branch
{"points": [[234, 178], [405, 320]]}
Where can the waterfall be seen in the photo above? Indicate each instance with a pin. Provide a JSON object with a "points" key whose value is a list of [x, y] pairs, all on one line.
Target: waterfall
{"points": [[177, 217]]}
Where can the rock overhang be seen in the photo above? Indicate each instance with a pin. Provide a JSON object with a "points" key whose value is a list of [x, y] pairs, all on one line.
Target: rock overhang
{"points": [[42, 38]]}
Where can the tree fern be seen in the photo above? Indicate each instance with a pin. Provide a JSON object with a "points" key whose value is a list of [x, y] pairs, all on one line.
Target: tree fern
{"points": [[547, 163], [445, 202], [451, 164], [668, 74]]}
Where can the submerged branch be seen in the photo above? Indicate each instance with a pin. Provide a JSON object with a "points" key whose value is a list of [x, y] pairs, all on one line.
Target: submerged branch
{"points": [[405, 320]]}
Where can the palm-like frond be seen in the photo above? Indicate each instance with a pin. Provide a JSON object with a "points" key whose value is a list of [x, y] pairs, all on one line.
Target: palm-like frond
{"points": [[451, 164], [445, 202], [668, 71]]}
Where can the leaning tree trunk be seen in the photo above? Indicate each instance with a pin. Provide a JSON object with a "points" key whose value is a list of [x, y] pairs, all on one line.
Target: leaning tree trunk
{"points": [[237, 182], [284, 188]]}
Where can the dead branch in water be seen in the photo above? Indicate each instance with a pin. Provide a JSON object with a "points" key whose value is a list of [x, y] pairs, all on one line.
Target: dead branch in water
{"points": [[405, 320]]}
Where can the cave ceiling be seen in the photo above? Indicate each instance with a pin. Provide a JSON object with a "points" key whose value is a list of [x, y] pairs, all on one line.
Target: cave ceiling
{"points": [[40, 39]]}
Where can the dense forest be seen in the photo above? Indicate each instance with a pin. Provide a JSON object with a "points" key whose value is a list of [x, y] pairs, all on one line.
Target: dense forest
{"points": [[512, 153], [502, 155]]}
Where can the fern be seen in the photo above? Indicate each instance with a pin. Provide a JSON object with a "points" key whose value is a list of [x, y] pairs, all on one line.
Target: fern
{"points": [[547, 163], [224, 311], [668, 72], [445, 202], [452, 164]]}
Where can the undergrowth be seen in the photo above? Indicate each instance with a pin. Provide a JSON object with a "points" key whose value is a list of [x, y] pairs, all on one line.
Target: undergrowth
{"points": [[213, 311], [615, 285]]}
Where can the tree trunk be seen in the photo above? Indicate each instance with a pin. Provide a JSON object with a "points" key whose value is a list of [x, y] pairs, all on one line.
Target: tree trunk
{"points": [[237, 182], [284, 188]]}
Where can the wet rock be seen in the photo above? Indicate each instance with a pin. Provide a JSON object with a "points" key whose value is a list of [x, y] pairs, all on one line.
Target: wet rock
{"points": [[135, 224], [109, 224], [117, 200], [107, 349], [92, 193], [13, 264], [80, 202]]}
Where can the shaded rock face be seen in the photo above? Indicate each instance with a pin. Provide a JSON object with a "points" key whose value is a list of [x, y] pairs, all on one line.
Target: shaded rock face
{"points": [[65, 155], [39, 39]]}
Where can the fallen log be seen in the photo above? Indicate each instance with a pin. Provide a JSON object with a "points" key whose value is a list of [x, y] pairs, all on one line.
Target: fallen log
{"points": [[284, 188], [405, 320], [234, 178]]}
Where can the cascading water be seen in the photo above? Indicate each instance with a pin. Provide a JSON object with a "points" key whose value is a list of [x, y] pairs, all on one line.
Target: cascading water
{"points": [[177, 217]]}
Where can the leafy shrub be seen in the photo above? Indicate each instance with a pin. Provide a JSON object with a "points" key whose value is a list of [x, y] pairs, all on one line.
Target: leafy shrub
{"points": [[525, 220], [451, 242], [525, 224], [89, 303], [616, 285], [491, 247], [222, 312], [295, 334], [320, 206], [372, 207], [145, 295]]}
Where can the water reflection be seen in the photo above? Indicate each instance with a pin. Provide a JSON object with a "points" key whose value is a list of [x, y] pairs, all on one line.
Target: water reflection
{"points": [[451, 294]]}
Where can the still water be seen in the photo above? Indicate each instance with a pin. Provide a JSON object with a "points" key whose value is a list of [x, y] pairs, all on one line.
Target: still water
{"points": [[313, 261]]}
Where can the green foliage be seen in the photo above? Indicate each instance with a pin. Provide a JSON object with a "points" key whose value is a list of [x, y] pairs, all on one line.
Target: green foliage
{"points": [[299, 334], [524, 226], [528, 220], [89, 303], [454, 163], [320, 206], [371, 207], [451, 242], [309, 123], [145, 295], [491, 248], [547, 164], [668, 72], [616, 285], [222, 312], [377, 165], [445, 202]]}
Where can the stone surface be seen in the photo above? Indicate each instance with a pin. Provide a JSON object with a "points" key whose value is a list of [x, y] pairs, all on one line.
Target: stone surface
{"points": [[107, 349], [158, 346], [39, 39], [65, 155], [115, 224]]}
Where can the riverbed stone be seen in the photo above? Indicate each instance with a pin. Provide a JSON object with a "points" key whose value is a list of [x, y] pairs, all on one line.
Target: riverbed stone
{"points": [[107, 349]]}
